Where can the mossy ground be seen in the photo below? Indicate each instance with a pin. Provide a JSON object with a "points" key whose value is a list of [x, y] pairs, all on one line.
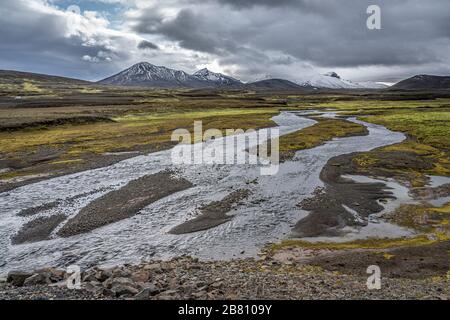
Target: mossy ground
{"points": [[319, 133], [432, 223], [425, 122], [78, 143], [424, 218], [374, 243], [424, 152]]}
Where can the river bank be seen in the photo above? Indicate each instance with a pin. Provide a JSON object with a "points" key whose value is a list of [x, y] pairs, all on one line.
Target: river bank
{"points": [[188, 278]]}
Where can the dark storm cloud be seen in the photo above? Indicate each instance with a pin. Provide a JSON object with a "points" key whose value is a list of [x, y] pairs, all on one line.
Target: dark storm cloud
{"points": [[283, 38], [252, 3], [325, 33], [144, 44], [186, 27], [306, 6]]}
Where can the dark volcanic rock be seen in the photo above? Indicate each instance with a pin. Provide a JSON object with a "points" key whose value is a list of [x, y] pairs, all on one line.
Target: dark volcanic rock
{"points": [[124, 203], [213, 214], [341, 203], [38, 229], [17, 278]]}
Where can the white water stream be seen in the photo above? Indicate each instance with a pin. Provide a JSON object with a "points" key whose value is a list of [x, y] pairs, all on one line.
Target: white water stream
{"points": [[266, 216]]}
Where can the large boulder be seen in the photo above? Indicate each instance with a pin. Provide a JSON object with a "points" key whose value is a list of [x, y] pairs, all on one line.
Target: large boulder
{"points": [[17, 278], [37, 279]]}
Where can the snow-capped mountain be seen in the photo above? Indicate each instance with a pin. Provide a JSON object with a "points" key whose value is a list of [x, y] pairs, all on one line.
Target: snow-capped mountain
{"points": [[216, 78], [147, 74], [332, 80]]}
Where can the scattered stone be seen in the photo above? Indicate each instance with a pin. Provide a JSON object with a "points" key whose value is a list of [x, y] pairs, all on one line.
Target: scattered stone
{"points": [[17, 278], [120, 290], [140, 276], [37, 279], [147, 292], [237, 279]]}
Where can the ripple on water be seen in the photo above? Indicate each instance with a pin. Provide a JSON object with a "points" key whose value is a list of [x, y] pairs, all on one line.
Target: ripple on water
{"points": [[266, 216]]}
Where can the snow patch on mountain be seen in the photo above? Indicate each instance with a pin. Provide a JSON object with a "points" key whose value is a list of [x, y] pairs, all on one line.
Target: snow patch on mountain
{"points": [[219, 78], [332, 80]]}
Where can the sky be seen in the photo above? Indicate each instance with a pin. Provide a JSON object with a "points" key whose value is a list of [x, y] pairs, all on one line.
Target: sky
{"points": [[247, 39]]}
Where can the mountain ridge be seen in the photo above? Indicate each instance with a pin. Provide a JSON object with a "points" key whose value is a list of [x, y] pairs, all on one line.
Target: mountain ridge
{"points": [[423, 82], [14, 75], [147, 74]]}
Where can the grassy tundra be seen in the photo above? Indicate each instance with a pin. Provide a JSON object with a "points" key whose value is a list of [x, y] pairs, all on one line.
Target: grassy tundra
{"points": [[47, 130]]}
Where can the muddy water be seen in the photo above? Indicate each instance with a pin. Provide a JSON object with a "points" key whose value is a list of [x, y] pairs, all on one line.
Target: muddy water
{"points": [[266, 216]]}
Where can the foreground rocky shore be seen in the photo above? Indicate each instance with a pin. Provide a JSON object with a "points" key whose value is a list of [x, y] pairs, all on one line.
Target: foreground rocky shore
{"points": [[188, 278]]}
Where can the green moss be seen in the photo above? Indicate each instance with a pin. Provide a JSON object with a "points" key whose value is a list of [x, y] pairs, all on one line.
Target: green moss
{"points": [[70, 161], [373, 243], [30, 87], [387, 161], [429, 128], [129, 133], [425, 120]]}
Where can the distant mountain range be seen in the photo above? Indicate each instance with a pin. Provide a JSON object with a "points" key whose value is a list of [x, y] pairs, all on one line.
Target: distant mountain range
{"points": [[423, 82], [147, 74]]}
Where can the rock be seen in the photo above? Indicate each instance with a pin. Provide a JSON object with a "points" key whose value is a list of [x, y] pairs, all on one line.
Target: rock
{"points": [[168, 292], [121, 290], [108, 292], [120, 273], [17, 278], [121, 286], [93, 286], [37, 279], [89, 276], [147, 292], [167, 295], [109, 283], [55, 275], [103, 274], [199, 294], [124, 281], [200, 284], [99, 274], [60, 284], [153, 267], [140, 276], [217, 284]]}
